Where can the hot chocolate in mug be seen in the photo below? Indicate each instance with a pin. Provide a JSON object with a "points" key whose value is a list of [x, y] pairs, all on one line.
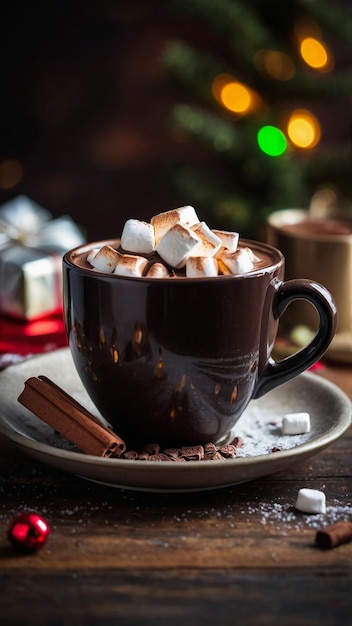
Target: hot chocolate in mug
{"points": [[176, 360]]}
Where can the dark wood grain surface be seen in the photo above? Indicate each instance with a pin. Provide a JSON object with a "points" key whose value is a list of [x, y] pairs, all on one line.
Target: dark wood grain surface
{"points": [[241, 554]]}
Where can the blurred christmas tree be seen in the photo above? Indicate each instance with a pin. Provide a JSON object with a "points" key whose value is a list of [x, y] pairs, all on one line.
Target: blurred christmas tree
{"points": [[271, 103]]}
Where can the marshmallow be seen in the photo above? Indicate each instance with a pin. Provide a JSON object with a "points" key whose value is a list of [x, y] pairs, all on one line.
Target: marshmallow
{"points": [[311, 501], [176, 245], [92, 254], [223, 269], [209, 243], [229, 240], [105, 259], [238, 262], [162, 222], [157, 270], [130, 265], [295, 423], [253, 257], [201, 266], [138, 237]]}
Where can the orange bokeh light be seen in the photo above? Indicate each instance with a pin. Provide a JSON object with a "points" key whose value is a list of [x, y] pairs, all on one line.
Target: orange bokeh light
{"points": [[235, 96], [316, 54], [276, 64]]}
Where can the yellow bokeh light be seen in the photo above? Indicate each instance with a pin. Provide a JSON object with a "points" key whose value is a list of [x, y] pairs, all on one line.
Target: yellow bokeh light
{"points": [[316, 54], [303, 129], [11, 172]]}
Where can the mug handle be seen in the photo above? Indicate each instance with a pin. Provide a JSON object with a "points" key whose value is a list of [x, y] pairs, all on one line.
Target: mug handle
{"points": [[278, 372]]}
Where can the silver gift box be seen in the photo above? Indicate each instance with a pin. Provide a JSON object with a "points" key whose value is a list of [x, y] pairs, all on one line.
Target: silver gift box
{"points": [[31, 250], [30, 282]]}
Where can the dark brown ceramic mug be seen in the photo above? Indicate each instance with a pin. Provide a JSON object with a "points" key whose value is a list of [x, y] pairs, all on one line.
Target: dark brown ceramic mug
{"points": [[176, 360]]}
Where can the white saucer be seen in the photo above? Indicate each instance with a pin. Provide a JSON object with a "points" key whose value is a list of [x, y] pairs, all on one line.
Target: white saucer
{"points": [[328, 406]]}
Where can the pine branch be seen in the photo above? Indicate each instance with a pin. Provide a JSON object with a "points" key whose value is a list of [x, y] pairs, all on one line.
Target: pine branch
{"points": [[242, 184], [235, 22], [197, 70], [220, 203], [332, 15], [287, 183], [230, 18], [212, 131], [330, 87], [330, 165], [242, 195]]}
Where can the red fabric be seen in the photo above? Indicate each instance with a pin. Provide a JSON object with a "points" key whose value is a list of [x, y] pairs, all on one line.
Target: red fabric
{"points": [[19, 340]]}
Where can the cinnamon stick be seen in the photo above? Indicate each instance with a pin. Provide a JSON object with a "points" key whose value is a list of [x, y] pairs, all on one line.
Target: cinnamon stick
{"points": [[334, 535], [63, 413]]}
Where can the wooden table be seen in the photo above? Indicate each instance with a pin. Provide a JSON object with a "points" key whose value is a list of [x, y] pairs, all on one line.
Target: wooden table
{"points": [[236, 555]]}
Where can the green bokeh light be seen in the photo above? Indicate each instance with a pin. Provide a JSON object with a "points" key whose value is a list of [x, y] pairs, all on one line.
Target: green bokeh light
{"points": [[271, 141]]}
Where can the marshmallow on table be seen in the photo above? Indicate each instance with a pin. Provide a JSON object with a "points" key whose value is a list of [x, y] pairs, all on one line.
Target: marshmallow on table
{"points": [[201, 266], [238, 262], [311, 501], [176, 245], [229, 240], [162, 222], [138, 236], [295, 423], [105, 259], [209, 243], [131, 265]]}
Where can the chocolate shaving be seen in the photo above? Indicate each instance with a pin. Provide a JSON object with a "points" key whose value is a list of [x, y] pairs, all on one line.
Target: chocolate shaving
{"points": [[174, 453], [228, 451], [213, 456], [63, 413], [208, 452], [151, 448], [192, 453], [131, 455], [160, 457], [237, 442]]}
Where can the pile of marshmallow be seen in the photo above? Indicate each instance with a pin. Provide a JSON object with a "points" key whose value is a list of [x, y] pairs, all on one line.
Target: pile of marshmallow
{"points": [[174, 240]]}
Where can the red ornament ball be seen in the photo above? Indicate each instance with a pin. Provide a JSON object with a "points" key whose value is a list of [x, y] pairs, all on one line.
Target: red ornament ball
{"points": [[28, 532]]}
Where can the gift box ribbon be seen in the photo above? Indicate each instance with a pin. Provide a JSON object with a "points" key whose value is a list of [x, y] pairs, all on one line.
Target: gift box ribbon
{"points": [[26, 223]]}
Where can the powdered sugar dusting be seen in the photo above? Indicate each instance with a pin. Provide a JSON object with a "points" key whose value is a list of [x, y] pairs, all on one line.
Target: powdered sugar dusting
{"points": [[287, 517], [260, 429]]}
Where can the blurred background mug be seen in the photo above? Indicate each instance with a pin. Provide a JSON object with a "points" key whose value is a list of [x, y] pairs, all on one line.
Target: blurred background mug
{"points": [[320, 250]]}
